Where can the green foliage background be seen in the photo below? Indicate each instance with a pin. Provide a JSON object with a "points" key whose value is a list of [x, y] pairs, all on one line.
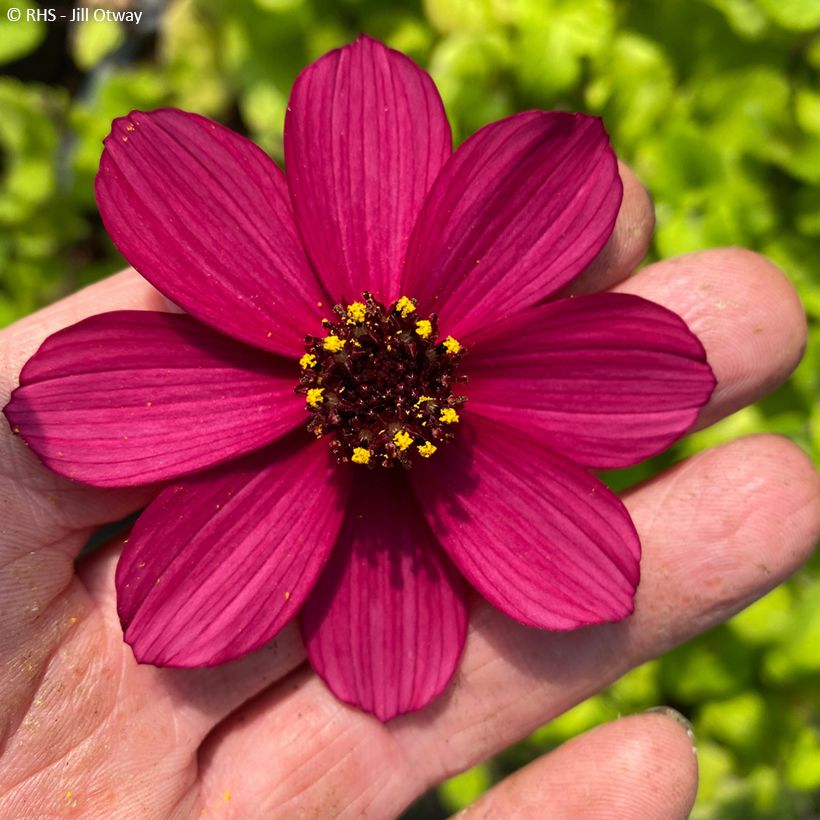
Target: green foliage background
{"points": [[715, 103]]}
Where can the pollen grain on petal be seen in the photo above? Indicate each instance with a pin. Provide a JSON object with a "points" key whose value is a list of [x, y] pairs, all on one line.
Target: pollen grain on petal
{"points": [[402, 440], [361, 455], [427, 449], [356, 313], [405, 306], [452, 346], [314, 396], [333, 343]]}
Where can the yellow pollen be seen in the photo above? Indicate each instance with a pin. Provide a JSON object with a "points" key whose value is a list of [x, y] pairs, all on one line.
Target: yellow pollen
{"points": [[405, 306], [356, 312], [427, 449], [314, 396], [360, 455], [424, 328], [452, 345], [402, 440], [448, 416], [333, 343], [308, 360]]}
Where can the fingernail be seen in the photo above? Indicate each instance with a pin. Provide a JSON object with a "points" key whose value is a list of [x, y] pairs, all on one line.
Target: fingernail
{"points": [[669, 712]]}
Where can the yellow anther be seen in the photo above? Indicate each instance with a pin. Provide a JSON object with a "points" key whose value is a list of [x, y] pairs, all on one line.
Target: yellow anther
{"points": [[448, 416], [427, 449], [423, 399], [315, 397], [360, 455], [405, 306], [424, 328], [402, 440], [452, 345], [356, 312], [333, 343], [308, 360]]}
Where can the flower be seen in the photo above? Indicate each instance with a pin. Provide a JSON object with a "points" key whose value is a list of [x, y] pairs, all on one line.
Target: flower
{"points": [[398, 300]]}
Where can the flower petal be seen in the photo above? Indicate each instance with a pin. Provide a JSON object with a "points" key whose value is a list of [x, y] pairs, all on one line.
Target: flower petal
{"points": [[221, 561], [133, 397], [520, 209], [386, 623], [365, 136], [538, 537], [204, 215], [607, 379]]}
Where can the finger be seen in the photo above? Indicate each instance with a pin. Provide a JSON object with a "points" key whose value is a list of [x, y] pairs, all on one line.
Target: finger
{"points": [[752, 323], [199, 698], [642, 766], [41, 506], [745, 312], [628, 244], [45, 519], [718, 531]]}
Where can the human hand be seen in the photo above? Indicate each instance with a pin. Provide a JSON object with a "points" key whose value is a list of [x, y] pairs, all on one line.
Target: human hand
{"points": [[88, 732]]}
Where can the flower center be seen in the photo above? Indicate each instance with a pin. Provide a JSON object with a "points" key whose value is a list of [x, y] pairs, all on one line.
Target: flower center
{"points": [[380, 384]]}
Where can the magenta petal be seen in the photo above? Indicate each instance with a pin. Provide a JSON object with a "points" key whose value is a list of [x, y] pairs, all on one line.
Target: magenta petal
{"points": [[520, 209], [607, 379], [204, 215], [365, 136], [385, 625], [133, 397], [221, 561], [538, 537]]}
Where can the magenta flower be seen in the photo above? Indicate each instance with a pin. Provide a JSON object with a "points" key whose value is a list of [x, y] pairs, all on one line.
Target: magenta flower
{"points": [[443, 352]]}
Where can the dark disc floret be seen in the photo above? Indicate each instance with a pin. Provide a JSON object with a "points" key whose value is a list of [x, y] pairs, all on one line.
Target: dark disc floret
{"points": [[380, 384]]}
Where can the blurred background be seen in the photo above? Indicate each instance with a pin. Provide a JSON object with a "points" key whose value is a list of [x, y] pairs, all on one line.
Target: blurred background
{"points": [[715, 103]]}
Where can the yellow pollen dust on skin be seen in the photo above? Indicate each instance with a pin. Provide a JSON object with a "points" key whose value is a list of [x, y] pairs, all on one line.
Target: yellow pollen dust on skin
{"points": [[333, 343], [402, 440], [356, 312], [424, 328], [405, 306], [427, 449], [360, 455], [314, 396], [308, 360], [452, 345], [448, 416]]}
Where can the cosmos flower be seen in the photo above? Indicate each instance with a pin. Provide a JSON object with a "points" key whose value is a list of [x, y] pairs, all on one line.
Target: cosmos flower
{"points": [[374, 396]]}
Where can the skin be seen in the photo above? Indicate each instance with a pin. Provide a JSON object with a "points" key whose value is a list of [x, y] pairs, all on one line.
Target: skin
{"points": [[86, 732]]}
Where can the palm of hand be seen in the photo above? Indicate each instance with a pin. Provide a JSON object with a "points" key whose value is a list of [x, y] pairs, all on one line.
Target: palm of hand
{"points": [[87, 732]]}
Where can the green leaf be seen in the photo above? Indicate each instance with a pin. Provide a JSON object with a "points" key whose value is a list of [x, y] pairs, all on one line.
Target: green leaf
{"points": [[19, 37], [743, 16], [767, 620], [715, 665], [459, 15], [584, 716], [637, 689], [797, 15], [458, 792], [803, 763], [94, 40], [741, 722]]}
